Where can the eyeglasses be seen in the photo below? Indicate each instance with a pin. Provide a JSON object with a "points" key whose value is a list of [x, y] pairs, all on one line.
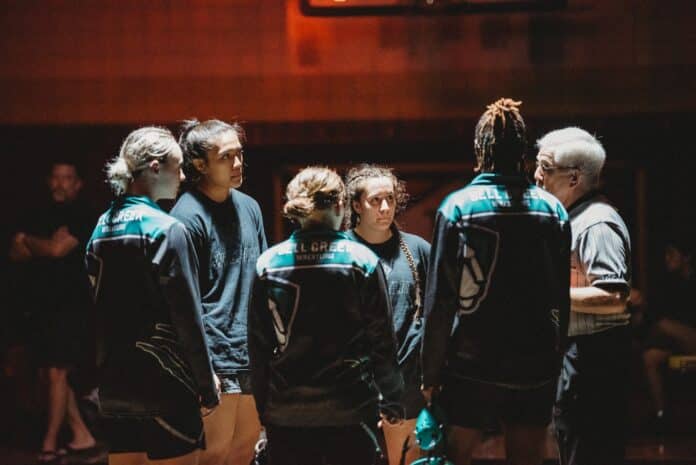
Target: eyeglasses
{"points": [[548, 169]]}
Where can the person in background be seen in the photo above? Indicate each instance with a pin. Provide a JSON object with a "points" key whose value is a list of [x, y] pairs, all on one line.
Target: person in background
{"points": [[672, 321], [48, 252]]}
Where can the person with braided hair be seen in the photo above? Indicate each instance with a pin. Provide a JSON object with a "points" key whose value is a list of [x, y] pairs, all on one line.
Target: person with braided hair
{"points": [[496, 301], [375, 196], [226, 226], [321, 342]]}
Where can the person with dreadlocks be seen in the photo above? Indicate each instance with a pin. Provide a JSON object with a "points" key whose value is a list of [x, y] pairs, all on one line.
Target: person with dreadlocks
{"points": [[496, 301], [375, 196], [321, 342]]}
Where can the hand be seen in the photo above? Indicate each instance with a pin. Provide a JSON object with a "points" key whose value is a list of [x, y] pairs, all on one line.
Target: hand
{"points": [[218, 384], [428, 393], [205, 411], [635, 298], [61, 233], [19, 251], [387, 420]]}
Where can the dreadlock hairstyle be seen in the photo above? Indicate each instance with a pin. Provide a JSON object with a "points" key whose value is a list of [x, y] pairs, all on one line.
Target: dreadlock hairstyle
{"points": [[312, 189], [196, 139], [355, 188], [500, 139]]}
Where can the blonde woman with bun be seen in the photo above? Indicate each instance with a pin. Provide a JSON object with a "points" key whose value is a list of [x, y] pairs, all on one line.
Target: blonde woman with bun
{"points": [[155, 374], [321, 343]]}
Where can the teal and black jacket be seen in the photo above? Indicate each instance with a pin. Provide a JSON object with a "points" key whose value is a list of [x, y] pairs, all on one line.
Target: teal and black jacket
{"points": [[321, 340], [497, 297], [151, 349]]}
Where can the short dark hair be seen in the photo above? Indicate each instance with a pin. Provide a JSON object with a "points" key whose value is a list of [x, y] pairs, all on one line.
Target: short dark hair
{"points": [[68, 162], [500, 138], [195, 142]]}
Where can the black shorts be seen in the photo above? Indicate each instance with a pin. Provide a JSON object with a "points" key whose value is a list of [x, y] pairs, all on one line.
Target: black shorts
{"points": [[162, 437], [474, 404], [235, 384], [60, 339]]}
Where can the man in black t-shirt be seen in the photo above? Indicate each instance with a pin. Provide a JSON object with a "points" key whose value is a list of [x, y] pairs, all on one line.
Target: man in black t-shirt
{"points": [[672, 320], [228, 236], [48, 252]]}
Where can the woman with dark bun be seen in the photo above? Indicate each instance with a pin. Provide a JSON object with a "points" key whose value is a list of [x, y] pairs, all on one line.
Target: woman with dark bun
{"points": [[321, 343], [375, 196]]}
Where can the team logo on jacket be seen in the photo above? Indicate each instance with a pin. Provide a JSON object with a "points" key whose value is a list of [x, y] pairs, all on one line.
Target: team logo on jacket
{"points": [[283, 297], [478, 253]]}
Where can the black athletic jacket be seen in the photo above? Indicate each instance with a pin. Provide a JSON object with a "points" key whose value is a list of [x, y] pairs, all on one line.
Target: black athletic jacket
{"points": [[321, 343], [497, 298], [152, 355]]}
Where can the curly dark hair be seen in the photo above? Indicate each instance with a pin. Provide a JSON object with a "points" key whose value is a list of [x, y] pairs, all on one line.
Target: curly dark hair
{"points": [[500, 139], [355, 187]]}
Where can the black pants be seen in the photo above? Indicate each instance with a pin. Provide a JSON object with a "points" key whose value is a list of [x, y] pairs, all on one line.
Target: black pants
{"points": [[591, 401], [345, 445]]}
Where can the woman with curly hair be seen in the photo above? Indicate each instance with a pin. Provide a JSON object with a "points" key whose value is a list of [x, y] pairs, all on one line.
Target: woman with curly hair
{"points": [[375, 196]]}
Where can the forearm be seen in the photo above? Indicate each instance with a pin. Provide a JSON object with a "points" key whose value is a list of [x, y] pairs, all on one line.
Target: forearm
{"points": [[50, 247], [595, 300]]}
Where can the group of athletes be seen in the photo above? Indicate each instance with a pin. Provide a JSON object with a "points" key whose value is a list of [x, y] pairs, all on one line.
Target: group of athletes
{"points": [[334, 340]]}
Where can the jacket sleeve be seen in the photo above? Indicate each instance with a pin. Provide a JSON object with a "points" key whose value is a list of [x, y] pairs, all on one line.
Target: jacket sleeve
{"points": [[380, 333], [441, 300], [261, 340], [180, 284], [561, 272], [260, 231]]}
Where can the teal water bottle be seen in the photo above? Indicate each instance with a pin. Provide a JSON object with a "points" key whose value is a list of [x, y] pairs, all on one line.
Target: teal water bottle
{"points": [[430, 437]]}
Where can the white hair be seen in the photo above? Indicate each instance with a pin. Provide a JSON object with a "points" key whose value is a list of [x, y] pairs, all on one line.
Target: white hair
{"points": [[577, 148], [140, 147]]}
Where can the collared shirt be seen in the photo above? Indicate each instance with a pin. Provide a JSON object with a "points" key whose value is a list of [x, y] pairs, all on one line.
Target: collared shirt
{"points": [[600, 256]]}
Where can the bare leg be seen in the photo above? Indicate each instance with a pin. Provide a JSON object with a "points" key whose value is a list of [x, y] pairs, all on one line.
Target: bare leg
{"points": [[57, 403], [524, 445], [461, 443], [219, 431], [188, 459], [654, 361], [394, 436], [82, 437], [128, 458], [684, 335], [247, 428]]}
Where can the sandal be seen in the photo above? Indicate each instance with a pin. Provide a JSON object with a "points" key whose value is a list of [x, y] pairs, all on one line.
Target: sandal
{"points": [[69, 450], [47, 456]]}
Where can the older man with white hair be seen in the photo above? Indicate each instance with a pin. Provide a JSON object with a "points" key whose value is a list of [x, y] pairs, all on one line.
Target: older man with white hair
{"points": [[590, 411]]}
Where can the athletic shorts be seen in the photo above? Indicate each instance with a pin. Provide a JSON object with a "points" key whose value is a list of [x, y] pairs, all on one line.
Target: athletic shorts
{"points": [[475, 404], [162, 437], [235, 384]]}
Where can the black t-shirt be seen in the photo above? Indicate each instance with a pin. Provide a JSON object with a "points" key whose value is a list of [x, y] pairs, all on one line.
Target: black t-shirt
{"points": [[402, 286], [47, 284], [228, 238], [675, 299]]}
